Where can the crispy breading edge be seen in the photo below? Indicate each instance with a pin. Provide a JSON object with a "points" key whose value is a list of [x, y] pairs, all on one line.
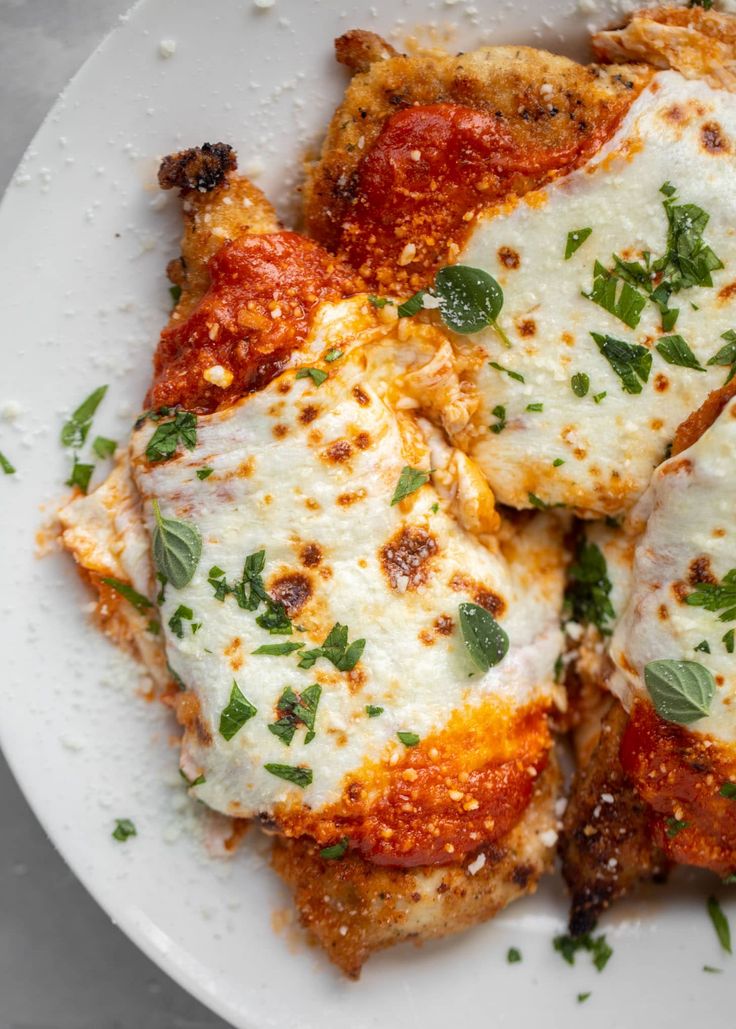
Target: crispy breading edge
{"points": [[353, 908]]}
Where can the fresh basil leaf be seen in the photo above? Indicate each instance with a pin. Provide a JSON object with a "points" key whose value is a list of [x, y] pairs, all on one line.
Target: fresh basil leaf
{"points": [[74, 431], [104, 447], [239, 710], [80, 475], [485, 641], [410, 480], [681, 691], [409, 739], [575, 240], [6, 466], [298, 775], [499, 411], [412, 306], [580, 384], [278, 649], [469, 299], [204, 473], [720, 924], [124, 829], [728, 790], [336, 851], [165, 441], [629, 361], [616, 296], [125, 590], [372, 711], [177, 548], [675, 350], [315, 374]]}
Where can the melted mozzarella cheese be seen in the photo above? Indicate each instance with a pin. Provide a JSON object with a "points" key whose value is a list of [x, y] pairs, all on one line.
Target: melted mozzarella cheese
{"points": [[307, 474], [689, 512], [679, 131]]}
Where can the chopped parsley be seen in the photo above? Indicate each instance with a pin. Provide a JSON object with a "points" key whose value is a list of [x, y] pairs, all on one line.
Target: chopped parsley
{"points": [[675, 826], [336, 851], [631, 362], [507, 371], [204, 473], [372, 711], [175, 294], [125, 590], [587, 596], [575, 240], [703, 647], [597, 947], [728, 641], [80, 475], [379, 302], [164, 442], [728, 790], [717, 596], [6, 466], [104, 447], [75, 430], [688, 260], [675, 350], [410, 480], [580, 384], [250, 592], [238, 711], [499, 411], [315, 374], [297, 774], [199, 781], [616, 296], [181, 615], [600, 396], [336, 650], [124, 829], [333, 355], [727, 354], [582, 997], [558, 462], [278, 649], [720, 924], [295, 709], [513, 955], [535, 407], [707, 6], [409, 739]]}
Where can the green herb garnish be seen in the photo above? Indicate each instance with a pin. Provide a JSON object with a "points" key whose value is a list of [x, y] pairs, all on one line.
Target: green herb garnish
{"points": [[124, 829], [499, 411], [507, 371], [409, 739], [616, 296], [372, 711], [675, 826], [335, 649], [176, 622], [278, 649], [296, 709], [720, 924], [587, 596], [513, 955], [296, 774], [575, 240], [336, 851], [717, 596], [164, 442], [204, 473], [6, 466], [485, 641], [75, 430], [675, 350], [80, 475], [727, 354], [728, 790], [177, 548], [580, 384], [410, 480], [469, 300], [597, 947], [681, 691], [104, 447], [239, 710], [315, 374], [629, 361], [333, 355], [125, 590]]}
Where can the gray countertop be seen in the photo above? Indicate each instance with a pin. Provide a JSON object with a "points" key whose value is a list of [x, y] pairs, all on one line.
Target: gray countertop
{"points": [[63, 964]]}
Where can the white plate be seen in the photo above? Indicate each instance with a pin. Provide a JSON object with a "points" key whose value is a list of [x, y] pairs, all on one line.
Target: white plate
{"points": [[85, 241]]}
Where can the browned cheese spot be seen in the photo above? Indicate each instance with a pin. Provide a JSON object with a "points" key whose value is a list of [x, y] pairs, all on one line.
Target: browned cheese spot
{"points": [[406, 557], [280, 430], [308, 414], [714, 139], [509, 257], [663, 613], [727, 292], [339, 451], [700, 571], [348, 499], [661, 382], [293, 590], [310, 555], [362, 397], [527, 327], [363, 440]]}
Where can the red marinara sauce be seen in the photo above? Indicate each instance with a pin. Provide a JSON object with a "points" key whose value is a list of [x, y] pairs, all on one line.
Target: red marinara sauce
{"points": [[461, 788], [257, 310], [680, 775], [429, 172]]}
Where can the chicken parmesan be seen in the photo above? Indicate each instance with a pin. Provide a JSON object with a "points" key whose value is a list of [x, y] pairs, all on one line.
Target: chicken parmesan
{"points": [[445, 474]]}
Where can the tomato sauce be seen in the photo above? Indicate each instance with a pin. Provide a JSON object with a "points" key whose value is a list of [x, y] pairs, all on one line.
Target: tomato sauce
{"points": [[457, 790], [680, 774], [257, 310], [431, 170]]}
